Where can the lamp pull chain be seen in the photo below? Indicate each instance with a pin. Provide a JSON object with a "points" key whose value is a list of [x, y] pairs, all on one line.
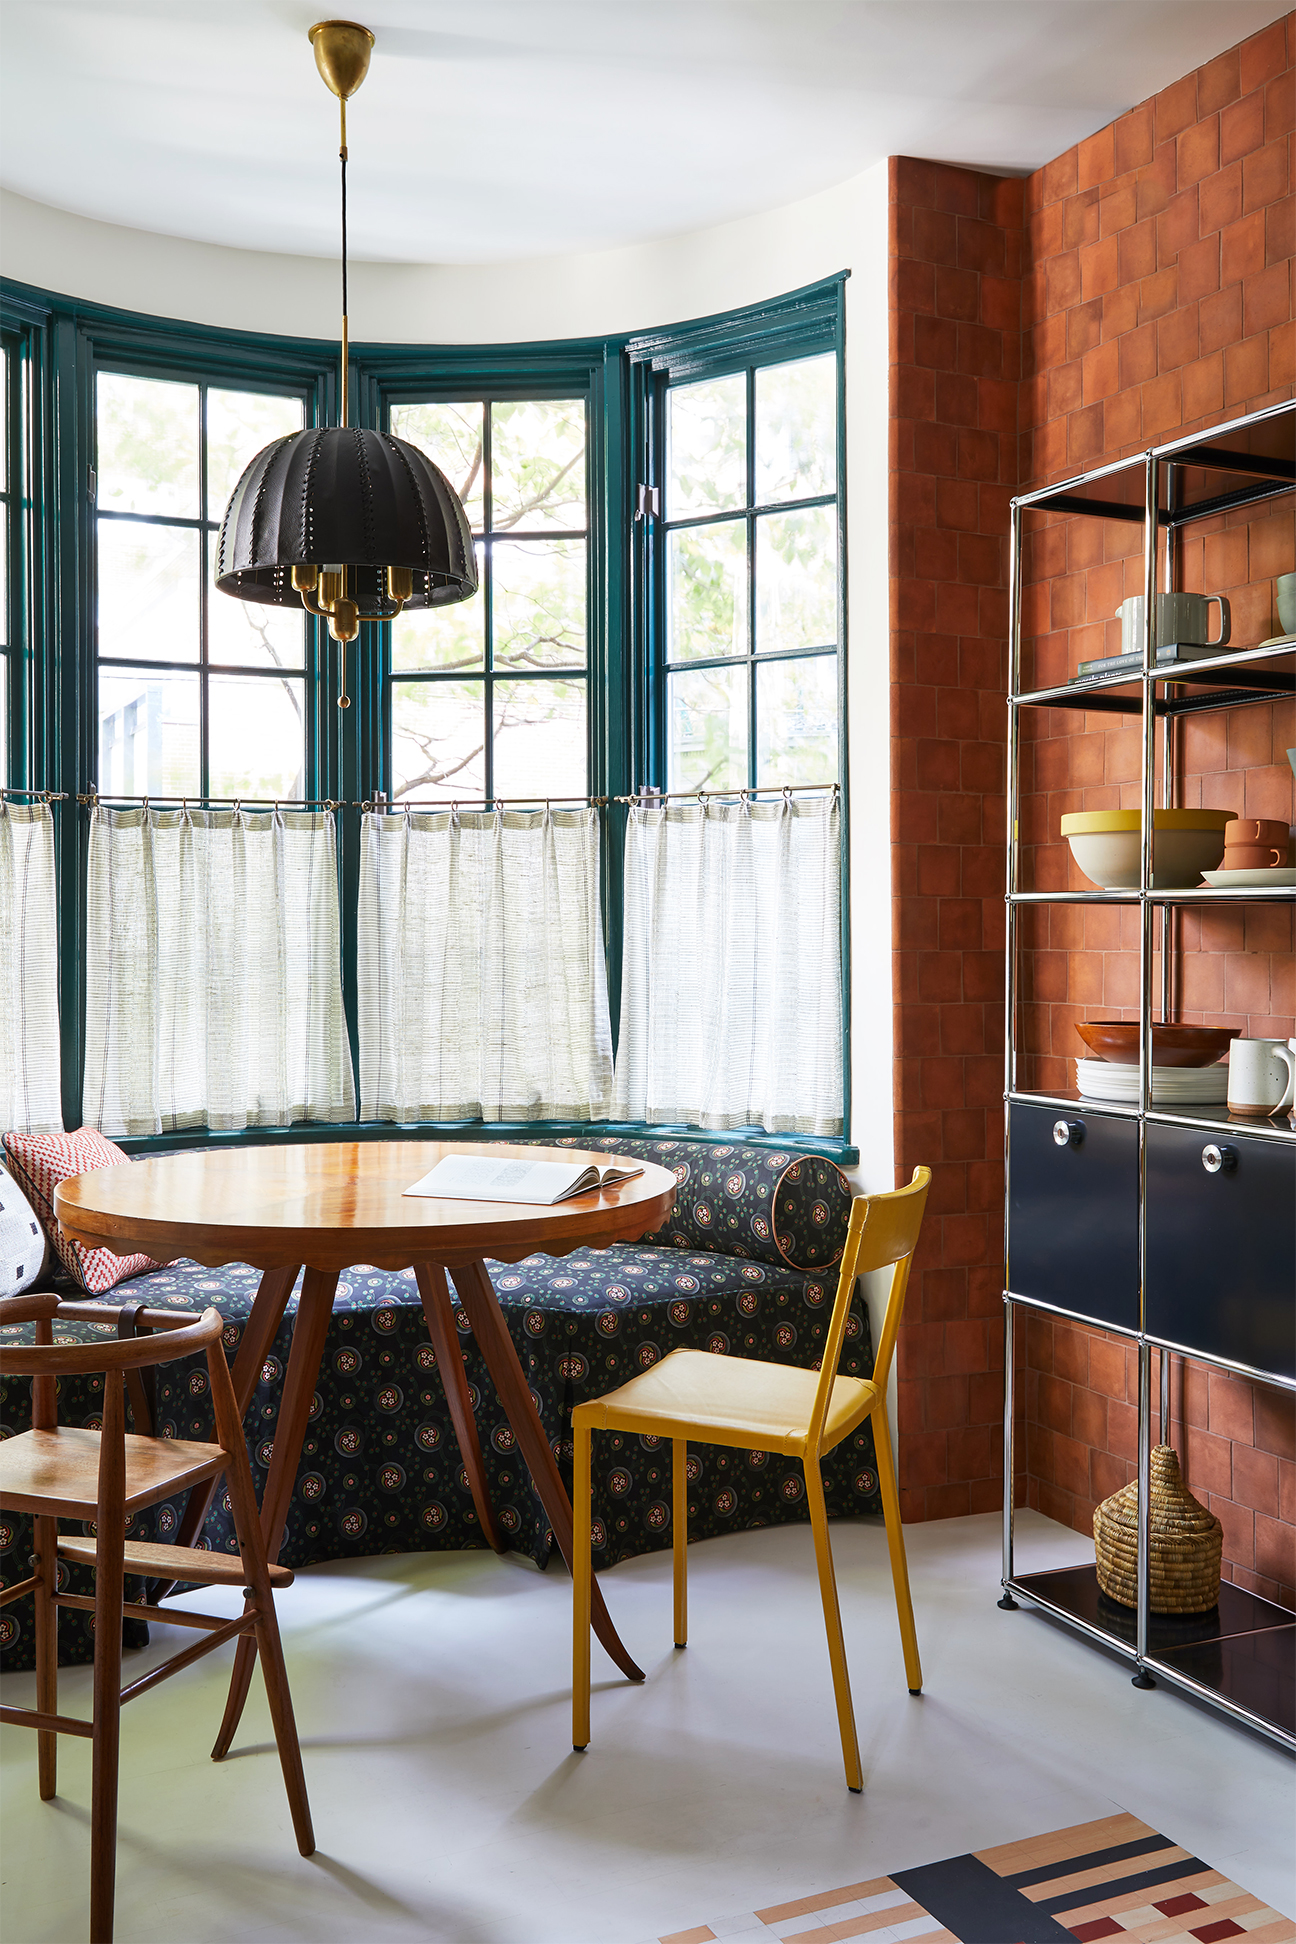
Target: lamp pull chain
{"points": [[342, 155]]}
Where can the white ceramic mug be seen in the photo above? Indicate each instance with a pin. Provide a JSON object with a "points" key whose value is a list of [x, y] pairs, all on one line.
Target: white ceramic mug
{"points": [[1179, 617], [1261, 1077]]}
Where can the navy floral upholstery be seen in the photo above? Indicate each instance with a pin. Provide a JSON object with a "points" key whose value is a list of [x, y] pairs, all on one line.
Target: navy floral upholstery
{"points": [[380, 1468]]}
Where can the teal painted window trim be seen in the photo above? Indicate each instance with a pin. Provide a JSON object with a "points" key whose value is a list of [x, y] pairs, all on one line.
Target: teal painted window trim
{"points": [[64, 342], [843, 1152]]}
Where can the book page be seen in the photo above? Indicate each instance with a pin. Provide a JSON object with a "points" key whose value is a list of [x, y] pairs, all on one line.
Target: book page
{"points": [[471, 1177]]}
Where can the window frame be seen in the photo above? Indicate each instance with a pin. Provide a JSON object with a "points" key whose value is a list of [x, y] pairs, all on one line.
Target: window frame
{"points": [[66, 341]]}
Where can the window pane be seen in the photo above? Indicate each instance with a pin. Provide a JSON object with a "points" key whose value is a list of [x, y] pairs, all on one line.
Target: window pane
{"points": [[538, 464], [239, 424], [148, 591], [540, 747], [539, 604], [248, 635], [439, 739], [4, 575], [796, 429], [147, 445], [6, 772], [796, 580], [256, 737], [148, 733], [706, 712], [796, 721], [447, 637], [706, 446], [4, 403], [706, 591], [451, 436]]}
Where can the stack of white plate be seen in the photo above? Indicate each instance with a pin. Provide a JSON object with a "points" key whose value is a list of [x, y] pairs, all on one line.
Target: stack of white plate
{"points": [[1171, 1086]]}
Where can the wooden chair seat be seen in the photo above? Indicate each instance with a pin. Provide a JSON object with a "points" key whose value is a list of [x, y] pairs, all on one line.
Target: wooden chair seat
{"points": [[74, 1472], [762, 1406]]}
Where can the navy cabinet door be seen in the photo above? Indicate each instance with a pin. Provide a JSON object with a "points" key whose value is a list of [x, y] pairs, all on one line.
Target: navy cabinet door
{"points": [[1073, 1212], [1221, 1246]]}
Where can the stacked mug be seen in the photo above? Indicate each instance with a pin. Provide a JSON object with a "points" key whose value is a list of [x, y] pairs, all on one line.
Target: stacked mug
{"points": [[1256, 844]]}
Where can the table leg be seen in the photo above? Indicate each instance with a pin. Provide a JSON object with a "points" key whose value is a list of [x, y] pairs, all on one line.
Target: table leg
{"points": [[259, 1333], [445, 1341], [314, 1309], [496, 1345]]}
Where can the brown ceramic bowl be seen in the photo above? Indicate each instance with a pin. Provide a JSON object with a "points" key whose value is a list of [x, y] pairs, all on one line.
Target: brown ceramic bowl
{"points": [[1117, 1040]]}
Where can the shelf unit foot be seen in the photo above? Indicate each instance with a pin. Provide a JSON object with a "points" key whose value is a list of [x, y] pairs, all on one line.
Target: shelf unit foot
{"points": [[1008, 1604], [1143, 1679]]}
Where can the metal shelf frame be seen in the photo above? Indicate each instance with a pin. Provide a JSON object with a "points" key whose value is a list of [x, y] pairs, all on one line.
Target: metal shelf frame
{"points": [[1147, 488]]}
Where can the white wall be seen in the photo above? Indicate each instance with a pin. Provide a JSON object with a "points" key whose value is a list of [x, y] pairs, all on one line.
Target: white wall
{"points": [[680, 277]]}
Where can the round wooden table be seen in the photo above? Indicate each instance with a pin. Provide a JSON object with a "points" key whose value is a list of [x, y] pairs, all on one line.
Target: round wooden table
{"points": [[326, 1207]]}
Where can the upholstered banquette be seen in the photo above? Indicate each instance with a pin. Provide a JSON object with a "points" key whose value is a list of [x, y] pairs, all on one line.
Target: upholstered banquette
{"points": [[744, 1267]]}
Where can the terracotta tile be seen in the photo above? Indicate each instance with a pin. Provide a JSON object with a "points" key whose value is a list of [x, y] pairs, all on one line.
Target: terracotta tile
{"points": [[1080, 219], [1199, 269], [1176, 227], [1230, 1406], [1266, 299], [1262, 57], [1242, 248], [1162, 404], [1177, 338], [1096, 158], [1175, 107], [1275, 1549], [1198, 151], [1275, 1421], [1122, 1431], [1107, 1367], [1220, 319], [1203, 388], [1255, 1482], [1280, 108], [1158, 294], [1239, 1530], [935, 236], [1280, 230], [948, 1501], [1132, 138], [1241, 127], [1219, 199], [1059, 177], [1209, 1464], [1265, 176], [1218, 82]]}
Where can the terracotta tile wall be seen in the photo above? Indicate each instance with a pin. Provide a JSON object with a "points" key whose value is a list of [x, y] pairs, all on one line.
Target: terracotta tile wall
{"points": [[955, 369], [1154, 296], [1158, 298]]}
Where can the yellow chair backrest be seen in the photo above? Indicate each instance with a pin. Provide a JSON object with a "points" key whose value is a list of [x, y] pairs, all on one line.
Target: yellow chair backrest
{"points": [[883, 1229]]}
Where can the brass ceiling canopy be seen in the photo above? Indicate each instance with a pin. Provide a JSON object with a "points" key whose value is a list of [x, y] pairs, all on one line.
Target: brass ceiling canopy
{"points": [[342, 51], [348, 523]]}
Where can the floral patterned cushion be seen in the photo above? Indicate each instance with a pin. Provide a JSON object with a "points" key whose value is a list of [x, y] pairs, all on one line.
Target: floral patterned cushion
{"points": [[380, 1468], [767, 1203]]}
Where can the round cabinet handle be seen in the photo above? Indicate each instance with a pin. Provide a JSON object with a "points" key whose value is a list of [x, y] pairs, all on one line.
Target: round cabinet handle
{"points": [[1218, 1159], [1068, 1133]]}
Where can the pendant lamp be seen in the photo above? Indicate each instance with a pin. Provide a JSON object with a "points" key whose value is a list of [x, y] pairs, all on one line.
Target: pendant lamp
{"points": [[351, 524]]}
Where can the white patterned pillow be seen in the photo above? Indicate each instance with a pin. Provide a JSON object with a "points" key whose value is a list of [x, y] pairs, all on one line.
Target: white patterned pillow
{"points": [[24, 1250], [41, 1162]]}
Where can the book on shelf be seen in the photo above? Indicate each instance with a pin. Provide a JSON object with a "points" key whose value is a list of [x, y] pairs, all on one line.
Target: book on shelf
{"points": [[510, 1178], [1171, 651]]}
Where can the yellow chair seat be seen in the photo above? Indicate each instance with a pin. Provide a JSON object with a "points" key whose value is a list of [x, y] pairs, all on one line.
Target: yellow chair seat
{"points": [[729, 1401]]}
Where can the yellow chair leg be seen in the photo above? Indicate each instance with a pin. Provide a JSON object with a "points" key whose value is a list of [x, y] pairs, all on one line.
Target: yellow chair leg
{"points": [[832, 1622], [581, 1573], [896, 1547], [679, 1519]]}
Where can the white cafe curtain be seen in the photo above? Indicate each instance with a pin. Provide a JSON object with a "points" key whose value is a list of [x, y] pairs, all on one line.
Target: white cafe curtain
{"points": [[731, 996], [30, 1069], [482, 987], [213, 984]]}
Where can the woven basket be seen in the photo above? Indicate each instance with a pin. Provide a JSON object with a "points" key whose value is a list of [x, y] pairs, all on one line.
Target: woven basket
{"points": [[1184, 1541]]}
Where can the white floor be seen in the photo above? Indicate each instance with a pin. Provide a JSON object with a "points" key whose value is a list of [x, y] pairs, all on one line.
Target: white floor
{"points": [[433, 1703]]}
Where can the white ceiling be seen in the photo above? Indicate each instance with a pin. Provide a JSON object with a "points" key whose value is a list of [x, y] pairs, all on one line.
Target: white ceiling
{"points": [[501, 129]]}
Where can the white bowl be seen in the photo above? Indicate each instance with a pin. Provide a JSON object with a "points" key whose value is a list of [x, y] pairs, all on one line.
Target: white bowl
{"points": [[1106, 846]]}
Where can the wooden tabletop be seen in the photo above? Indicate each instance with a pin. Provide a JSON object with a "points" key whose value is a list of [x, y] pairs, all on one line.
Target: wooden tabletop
{"points": [[332, 1204]]}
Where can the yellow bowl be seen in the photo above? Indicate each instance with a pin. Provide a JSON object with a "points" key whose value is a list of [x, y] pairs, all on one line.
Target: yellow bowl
{"points": [[1106, 845]]}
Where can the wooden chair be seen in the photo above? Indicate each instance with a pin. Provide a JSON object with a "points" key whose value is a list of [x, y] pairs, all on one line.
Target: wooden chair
{"points": [[761, 1406], [70, 1473]]}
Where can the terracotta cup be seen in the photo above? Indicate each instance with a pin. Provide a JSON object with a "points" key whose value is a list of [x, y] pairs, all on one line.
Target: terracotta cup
{"points": [[1256, 830], [1254, 857]]}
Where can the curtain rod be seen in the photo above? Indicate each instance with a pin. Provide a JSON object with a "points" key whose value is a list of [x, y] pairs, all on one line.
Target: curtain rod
{"points": [[341, 803], [647, 799], [42, 796]]}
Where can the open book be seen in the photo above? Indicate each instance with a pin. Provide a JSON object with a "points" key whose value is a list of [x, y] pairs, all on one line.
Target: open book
{"points": [[495, 1178]]}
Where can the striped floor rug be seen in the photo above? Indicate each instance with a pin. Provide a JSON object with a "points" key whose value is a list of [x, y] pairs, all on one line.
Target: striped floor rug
{"points": [[1111, 1879]]}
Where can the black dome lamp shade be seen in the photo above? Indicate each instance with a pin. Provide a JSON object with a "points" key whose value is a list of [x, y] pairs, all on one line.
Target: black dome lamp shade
{"points": [[349, 523]]}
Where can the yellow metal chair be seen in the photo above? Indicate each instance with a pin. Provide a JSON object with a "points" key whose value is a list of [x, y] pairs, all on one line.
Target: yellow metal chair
{"points": [[768, 1407]]}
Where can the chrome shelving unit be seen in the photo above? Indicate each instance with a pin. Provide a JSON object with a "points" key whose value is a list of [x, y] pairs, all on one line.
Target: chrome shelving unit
{"points": [[1241, 1658]]}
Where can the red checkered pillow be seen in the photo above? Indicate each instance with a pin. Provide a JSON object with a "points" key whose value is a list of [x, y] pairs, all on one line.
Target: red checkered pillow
{"points": [[39, 1163]]}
